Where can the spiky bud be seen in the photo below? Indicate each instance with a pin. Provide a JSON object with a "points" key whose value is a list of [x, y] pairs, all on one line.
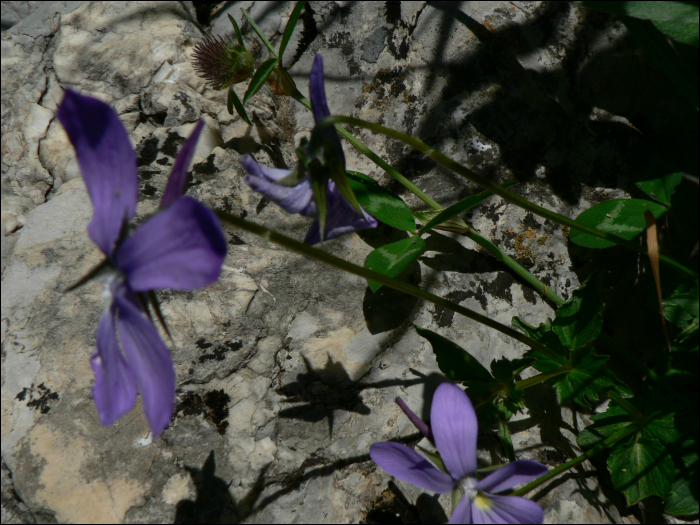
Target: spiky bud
{"points": [[222, 62]]}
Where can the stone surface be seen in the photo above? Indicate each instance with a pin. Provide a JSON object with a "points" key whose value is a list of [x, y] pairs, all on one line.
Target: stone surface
{"points": [[287, 369]]}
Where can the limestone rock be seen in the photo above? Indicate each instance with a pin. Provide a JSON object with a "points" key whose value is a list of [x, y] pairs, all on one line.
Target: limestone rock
{"points": [[287, 369]]}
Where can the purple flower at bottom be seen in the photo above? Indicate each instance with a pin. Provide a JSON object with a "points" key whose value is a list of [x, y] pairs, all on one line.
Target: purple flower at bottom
{"points": [[454, 428], [182, 247], [297, 196]]}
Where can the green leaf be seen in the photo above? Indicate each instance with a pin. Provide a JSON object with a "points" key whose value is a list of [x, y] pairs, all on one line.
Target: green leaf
{"points": [[381, 203], [260, 33], [461, 206], [622, 217], [662, 188], [239, 36], [681, 308], [547, 337], [641, 469], [455, 362], [234, 102], [610, 422], [683, 500], [679, 20], [579, 320], [392, 259], [259, 78], [289, 29], [586, 380], [656, 45]]}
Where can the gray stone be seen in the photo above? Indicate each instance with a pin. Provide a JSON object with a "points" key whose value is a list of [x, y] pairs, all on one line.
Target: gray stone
{"points": [[287, 369]]}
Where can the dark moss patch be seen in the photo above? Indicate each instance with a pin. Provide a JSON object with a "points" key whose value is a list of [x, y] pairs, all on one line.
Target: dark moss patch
{"points": [[163, 162], [147, 151], [213, 405], [172, 144], [39, 399], [529, 295], [235, 240], [205, 168], [500, 287], [218, 352], [391, 506], [148, 190]]}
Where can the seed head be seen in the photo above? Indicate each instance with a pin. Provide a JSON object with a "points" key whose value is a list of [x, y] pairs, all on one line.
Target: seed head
{"points": [[222, 62]]}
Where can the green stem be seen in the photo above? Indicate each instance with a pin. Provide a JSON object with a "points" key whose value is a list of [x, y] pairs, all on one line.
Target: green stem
{"points": [[504, 435], [401, 286], [580, 459], [539, 378], [631, 409], [489, 185], [513, 265], [490, 247], [379, 161]]}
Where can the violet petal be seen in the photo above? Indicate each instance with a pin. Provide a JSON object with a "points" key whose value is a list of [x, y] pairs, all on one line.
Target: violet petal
{"points": [[510, 475], [107, 162], [293, 199], [341, 218], [406, 464], [454, 425], [178, 176], [150, 361], [115, 388], [182, 247], [319, 106], [506, 509], [462, 512]]}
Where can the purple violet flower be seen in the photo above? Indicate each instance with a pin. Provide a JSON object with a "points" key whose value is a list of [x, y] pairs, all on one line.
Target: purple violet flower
{"points": [[454, 428], [297, 195], [181, 247]]}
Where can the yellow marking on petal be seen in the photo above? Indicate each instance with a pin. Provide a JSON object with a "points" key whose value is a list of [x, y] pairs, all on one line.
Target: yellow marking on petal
{"points": [[483, 502]]}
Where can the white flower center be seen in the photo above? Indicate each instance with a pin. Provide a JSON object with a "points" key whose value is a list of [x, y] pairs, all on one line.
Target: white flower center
{"points": [[467, 485]]}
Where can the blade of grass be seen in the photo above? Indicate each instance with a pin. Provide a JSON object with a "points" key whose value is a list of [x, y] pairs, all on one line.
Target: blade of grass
{"points": [[234, 102], [260, 33], [653, 249], [289, 29], [259, 78], [236, 29]]}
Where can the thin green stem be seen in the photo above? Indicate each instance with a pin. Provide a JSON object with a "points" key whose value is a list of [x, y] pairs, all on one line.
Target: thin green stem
{"points": [[579, 459], [631, 409], [380, 162], [513, 265], [539, 378], [489, 185], [264, 39], [490, 247], [401, 286]]}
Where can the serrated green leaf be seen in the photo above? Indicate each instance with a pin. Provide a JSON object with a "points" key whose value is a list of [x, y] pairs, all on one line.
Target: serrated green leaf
{"points": [[392, 259], [259, 78], [662, 188], [460, 206], [579, 320], [640, 469], [455, 362], [610, 422], [544, 334], [289, 28], [381, 203], [234, 102], [587, 379], [622, 217]]}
